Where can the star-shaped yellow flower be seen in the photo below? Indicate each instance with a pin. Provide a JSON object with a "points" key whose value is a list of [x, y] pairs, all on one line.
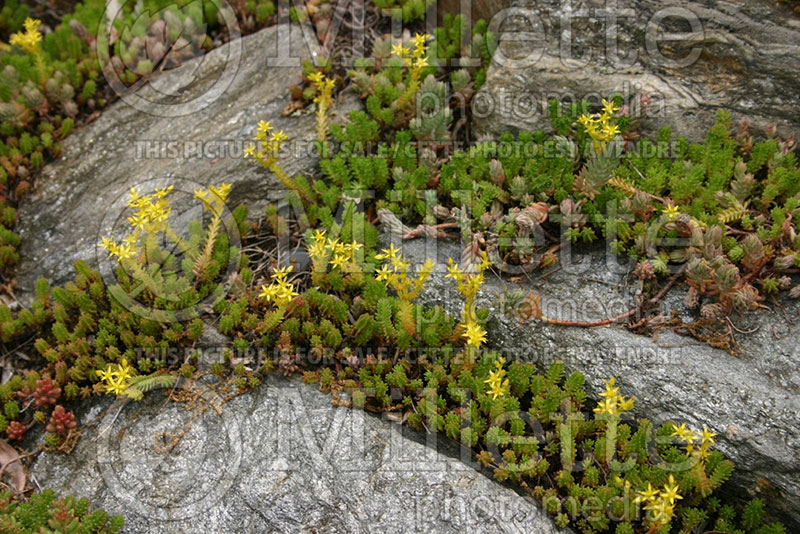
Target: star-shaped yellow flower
{"points": [[672, 211], [670, 493], [475, 335], [609, 107], [648, 494]]}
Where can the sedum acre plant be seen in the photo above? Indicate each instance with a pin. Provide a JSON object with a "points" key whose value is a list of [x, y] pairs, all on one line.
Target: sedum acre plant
{"points": [[351, 322], [176, 279], [44, 512], [54, 76], [121, 339]]}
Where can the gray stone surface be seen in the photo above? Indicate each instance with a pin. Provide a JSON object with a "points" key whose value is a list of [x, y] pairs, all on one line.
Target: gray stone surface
{"points": [[280, 459], [752, 401], [740, 56], [82, 194]]}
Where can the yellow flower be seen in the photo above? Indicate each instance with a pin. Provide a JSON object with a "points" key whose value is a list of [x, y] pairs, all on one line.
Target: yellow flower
{"points": [[107, 243], [385, 273], [420, 63], [116, 387], [600, 128], [339, 260], [286, 294], [609, 108], [670, 493], [475, 335], [151, 212], [278, 137], [116, 379], [399, 50], [707, 437], [399, 264], [453, 271], [485, 263], [611, 392], [264, 127], [498, 385], [608, 406], [613, 403], [649, 494], [222, 191], [662, 511], [388, 253], [282, 272], [280, 291], [420, 40], [134, 198], [672, 211], [126, 251], [268, 292], [123, 251], [678, 431], [625, 405], [164, 191], [30, 39], [586, 120], [609, 131], [498, 389]]}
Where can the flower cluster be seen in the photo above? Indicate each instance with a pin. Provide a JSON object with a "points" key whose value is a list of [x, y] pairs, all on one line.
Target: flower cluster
{"points": [[214, 198], [267, 150], [395, 272], [151, 212], [116, 377], [280, 291], [324, 87], [151, 216], [468, 284], [660, 505], [30, 38], [690, 438], [600, 127], [322, 247], [414, 58], [498, 383], [613, 403], [269, 144]]}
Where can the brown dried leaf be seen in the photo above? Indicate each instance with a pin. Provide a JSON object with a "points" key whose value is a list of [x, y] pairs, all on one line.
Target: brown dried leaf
{"points": [[10, 460]]}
